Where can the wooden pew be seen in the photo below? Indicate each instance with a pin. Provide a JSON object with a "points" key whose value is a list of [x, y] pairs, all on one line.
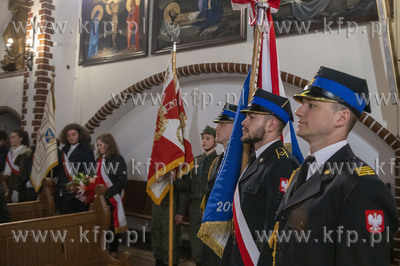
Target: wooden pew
{"points": [[77, 248], [42, 207]]}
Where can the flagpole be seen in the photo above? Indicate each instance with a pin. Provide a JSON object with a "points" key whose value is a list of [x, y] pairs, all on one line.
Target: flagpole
{"points": [[256, 60], [392, 67], [171, 223], [173, 32], [53, 75], [171, 188]]}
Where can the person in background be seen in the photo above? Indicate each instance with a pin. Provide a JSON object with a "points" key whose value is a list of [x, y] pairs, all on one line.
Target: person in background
{"points": [[4, 214], [18, 166], [77, 157], [3, 150], [197, 182], [160, 222], [111, 172], [223, 132]]}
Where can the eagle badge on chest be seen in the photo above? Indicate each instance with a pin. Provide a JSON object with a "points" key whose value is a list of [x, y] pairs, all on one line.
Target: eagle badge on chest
{"points": [[374, 221], [283, 184]]}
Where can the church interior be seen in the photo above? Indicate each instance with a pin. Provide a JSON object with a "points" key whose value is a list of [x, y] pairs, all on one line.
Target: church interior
{"points": [[105, 60]]}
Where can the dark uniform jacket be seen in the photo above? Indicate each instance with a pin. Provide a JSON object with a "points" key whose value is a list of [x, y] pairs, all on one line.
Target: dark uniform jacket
{"points": [[212, 175], [117, 174], [3, 157], [261, 189], [340, 210], [18, 182], [4, 214], [195, 182], [199, 176], [83, 156]]}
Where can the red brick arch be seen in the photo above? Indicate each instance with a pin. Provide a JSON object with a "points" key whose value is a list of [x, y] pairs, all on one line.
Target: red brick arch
{"points": [[9, 110]]}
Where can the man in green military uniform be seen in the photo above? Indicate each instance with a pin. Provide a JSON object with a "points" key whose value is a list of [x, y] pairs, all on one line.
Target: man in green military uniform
{"points": [[197, 181], [160, 223]]}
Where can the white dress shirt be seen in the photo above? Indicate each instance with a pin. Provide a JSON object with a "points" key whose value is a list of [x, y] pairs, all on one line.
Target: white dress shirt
{"points": [[71, 149], [322, 155]]}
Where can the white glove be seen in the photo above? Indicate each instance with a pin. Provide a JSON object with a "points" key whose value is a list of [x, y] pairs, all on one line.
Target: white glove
{"points": [[80, 194], [14, 196], [28, 184]]}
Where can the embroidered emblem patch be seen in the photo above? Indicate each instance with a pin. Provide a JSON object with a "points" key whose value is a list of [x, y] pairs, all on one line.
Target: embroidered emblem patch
{"points": [[374, 221], [283, 184]]}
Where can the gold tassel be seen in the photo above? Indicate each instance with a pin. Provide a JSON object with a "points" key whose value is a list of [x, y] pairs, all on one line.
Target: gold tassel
{"points": [[209, 230], [273, 241], [291, 177]]}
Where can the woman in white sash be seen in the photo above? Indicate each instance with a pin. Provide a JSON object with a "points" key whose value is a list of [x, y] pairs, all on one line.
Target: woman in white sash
{"points": [[18, 167], [76, 157], [111, 172]]}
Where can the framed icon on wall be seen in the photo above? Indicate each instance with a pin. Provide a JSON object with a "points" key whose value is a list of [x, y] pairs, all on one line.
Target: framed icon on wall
{"points": [[113, 30], [202, 23]]}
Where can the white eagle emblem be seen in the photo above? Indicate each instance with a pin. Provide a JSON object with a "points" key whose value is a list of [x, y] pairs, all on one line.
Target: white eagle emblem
{"points": [[284, 184], [375, 222]]}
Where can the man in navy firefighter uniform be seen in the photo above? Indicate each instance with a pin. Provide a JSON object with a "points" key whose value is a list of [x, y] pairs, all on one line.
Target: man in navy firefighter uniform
{"points": [[223, 130], [261, 187], [349, 214]]}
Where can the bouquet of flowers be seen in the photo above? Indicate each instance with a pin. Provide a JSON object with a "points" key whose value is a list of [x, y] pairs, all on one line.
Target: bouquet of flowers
{"points": [[82, 185]]}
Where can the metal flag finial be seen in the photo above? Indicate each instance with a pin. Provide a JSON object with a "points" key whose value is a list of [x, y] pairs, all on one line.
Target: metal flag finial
{"points": [[173, 32]]}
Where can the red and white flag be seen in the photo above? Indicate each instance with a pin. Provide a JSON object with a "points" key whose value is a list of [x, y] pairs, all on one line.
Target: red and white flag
{"points": [[171, 148], [268, 73], [267, 78]]}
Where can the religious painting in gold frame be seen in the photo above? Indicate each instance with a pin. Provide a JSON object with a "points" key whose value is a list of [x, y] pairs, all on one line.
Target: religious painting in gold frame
{"points": [[113, 30], [326, 16], [203, 23]]}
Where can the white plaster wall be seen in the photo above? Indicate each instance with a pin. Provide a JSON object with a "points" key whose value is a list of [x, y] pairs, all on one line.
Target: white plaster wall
{"points": [[11, 92], [66, 54]]}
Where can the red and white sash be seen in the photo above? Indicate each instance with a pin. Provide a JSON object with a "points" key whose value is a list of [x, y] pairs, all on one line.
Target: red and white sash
{"points": [[120, 224], [247, 246], [10, 161], [67, 166]]}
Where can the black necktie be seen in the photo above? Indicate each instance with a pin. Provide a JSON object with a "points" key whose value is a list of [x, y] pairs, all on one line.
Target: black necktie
{"points": [[303, 172], [252, 158]]}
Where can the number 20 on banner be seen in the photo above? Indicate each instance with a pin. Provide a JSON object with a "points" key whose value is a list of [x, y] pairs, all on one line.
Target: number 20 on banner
{"points": [[224, 206]]}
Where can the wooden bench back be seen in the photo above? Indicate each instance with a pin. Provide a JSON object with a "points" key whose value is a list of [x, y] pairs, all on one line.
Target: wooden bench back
{"points": [[42, 207], [77, 247]]}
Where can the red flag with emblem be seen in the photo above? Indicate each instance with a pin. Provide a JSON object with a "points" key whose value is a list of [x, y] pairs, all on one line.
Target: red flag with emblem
{"points": [[268, 74], [171, 148]]}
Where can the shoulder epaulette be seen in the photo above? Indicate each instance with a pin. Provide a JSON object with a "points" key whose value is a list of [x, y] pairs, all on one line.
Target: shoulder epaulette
{"points": [[281, 152], [364, 170]]}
